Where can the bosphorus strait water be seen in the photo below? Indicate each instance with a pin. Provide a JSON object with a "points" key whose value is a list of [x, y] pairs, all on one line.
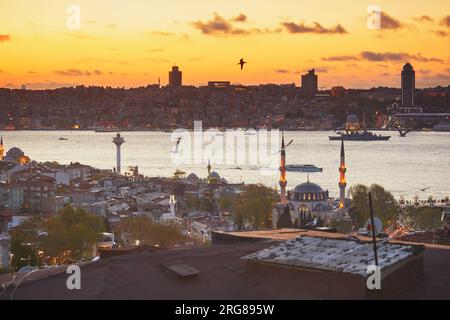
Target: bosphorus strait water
{"points": [[403, 166]]}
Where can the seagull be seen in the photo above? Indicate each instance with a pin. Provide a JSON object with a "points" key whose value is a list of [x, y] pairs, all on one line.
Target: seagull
{"points": [[177, 145], [425, 189], [283, 149], [241, 63]]}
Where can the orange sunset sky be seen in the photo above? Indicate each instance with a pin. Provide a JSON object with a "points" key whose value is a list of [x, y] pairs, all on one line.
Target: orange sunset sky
{"points": [[133, 43]]}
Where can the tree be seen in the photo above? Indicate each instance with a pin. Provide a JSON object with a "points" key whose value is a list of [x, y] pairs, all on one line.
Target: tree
{"points": [[25, 243], [72, 234], [423, 218], [147, 232], [254, 207], [384, 205]]}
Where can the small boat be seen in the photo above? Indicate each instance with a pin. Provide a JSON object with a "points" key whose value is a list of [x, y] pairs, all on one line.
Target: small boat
{"points": [[304, 168], [63, 139], [104, 129], [442, 128]]}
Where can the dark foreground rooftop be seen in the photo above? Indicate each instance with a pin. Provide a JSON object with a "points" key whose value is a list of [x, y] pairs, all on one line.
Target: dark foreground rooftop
{"points": [[215, 272]]}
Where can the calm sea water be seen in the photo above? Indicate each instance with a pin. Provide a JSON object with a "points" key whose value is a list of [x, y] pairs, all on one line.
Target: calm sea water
{"points": [[402, 165]]}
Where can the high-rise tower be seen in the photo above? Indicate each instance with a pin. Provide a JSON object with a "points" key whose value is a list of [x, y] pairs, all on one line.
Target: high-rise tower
{"points": [[175, 77], [283, 181], [310, 83], [342, 179], [118, 141], [408, 85]]}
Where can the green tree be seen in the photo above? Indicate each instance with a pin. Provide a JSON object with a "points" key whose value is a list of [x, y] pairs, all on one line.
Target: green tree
{"points": [[72, 234], [423, 218], [254, 207], [25, 243], [384, 205], [147, 232]]}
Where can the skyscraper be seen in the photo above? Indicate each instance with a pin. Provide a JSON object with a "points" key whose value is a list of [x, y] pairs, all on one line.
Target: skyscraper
{"points": [[408, 85], [310, 83], [175, 77]]}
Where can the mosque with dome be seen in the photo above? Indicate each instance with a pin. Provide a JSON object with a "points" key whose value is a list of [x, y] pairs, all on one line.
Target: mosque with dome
{"points": [[14, 155], [307, 200]]}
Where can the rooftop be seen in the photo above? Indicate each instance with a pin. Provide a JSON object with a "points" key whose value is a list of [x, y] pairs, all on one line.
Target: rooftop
{"points": [[224, 274], [339, 255]]}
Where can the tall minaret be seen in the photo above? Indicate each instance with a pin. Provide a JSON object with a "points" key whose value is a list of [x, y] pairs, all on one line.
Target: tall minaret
{"points": [[283, 181], [2, 149], [342, 180], [118, 141], [209, 167]]}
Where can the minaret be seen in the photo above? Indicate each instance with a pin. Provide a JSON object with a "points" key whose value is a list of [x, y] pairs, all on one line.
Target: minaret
{"points": [[283, 181], [342, 180], [172, 203], [2, 149], [209, 167], [118, 141]]}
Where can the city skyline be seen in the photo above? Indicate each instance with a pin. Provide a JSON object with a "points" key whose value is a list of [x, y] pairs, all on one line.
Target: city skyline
{"points": [[135, 45]]}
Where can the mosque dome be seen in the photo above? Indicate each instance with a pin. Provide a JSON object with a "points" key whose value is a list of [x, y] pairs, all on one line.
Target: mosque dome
{"points": [[192, 177], [309, 192], [352, 118], [308, 187], [214, 175], [14, 154]]}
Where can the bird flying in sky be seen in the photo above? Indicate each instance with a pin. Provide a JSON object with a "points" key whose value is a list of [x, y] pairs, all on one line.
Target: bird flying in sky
{"points": [[283, 149], [241, 63], [177, 145]]}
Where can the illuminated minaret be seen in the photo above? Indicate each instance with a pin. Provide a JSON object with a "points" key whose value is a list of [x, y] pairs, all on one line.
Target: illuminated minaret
{"points": [[342, 180], [118, 141], [283, 181], [2, 149]]}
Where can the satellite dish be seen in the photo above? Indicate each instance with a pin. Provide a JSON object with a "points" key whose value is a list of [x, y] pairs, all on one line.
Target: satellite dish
{"points": [[378, 226]]}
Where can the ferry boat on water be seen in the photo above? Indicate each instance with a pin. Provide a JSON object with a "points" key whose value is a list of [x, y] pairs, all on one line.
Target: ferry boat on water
{"points": [[303, 168], [354, 131], [359, 136], [442, 128]]}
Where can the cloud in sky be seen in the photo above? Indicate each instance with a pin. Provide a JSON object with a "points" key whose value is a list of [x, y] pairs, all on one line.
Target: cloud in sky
{"points": [[154, 50], [5, 37], [194, 59], [341, 58], [389, 22], [77, 72], [282, 71], [79, 35], [316, 27], [423, 18], [441, 33], [382, 56], [240, 18], [157, 60], [446, 21], [219, 26], [161, 33]]}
